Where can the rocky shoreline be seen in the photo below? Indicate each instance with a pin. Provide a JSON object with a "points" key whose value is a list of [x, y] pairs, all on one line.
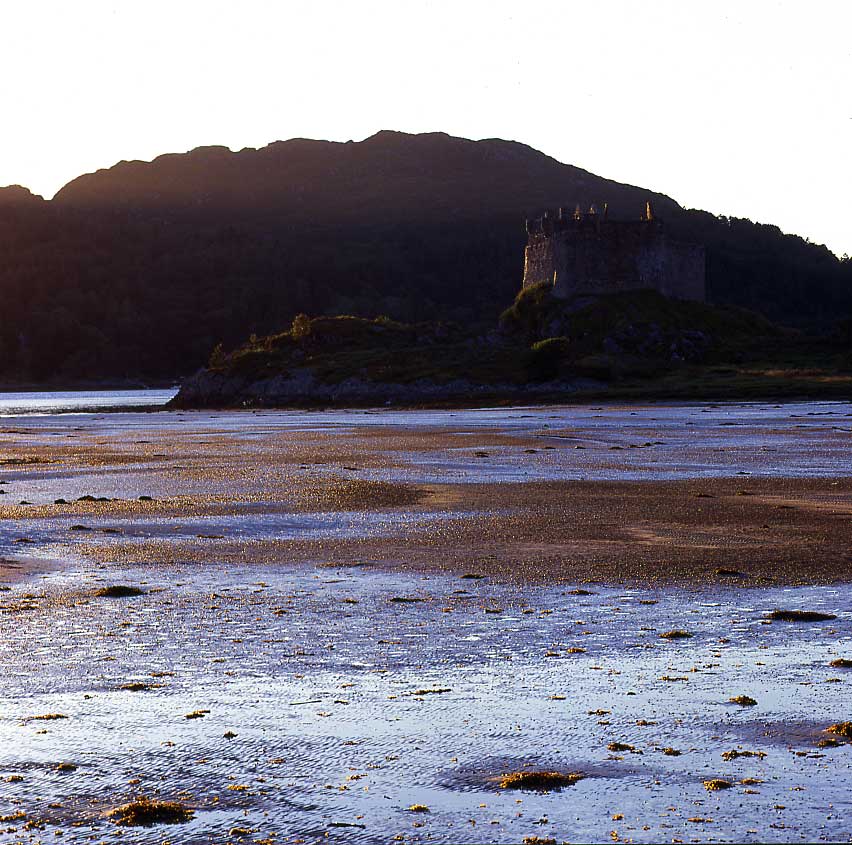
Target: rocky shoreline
{"points": [[301, 388]]}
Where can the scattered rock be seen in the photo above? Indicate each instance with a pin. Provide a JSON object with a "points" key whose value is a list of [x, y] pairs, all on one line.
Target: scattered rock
{"points": [[118, 591], [800, 616]]}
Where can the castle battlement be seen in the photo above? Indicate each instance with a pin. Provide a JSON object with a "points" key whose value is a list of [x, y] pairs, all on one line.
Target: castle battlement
{"points": [[589, 252]]}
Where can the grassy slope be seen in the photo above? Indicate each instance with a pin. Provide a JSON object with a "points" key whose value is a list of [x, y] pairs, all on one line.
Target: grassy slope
{"points": [[379, 350]]}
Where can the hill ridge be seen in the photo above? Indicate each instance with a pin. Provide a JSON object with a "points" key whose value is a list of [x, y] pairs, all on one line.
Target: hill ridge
{"points": [[141, 269], [273, 176]]}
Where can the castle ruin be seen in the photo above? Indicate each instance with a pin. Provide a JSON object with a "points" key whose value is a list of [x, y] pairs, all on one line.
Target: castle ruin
{"points": [[590, 254]]}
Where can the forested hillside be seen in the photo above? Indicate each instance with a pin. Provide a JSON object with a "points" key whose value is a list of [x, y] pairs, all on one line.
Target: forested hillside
{"points": [[141, 269]]}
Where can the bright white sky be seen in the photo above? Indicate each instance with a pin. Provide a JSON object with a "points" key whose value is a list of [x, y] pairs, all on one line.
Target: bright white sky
{"points": [[743, 108]]}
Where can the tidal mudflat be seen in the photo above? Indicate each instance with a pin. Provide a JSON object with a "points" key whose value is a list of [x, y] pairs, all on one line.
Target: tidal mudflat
{"points": [[351, 626]]}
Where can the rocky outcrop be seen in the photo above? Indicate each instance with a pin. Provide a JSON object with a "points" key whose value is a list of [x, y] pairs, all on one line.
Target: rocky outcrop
{"points": [[300, 388]]}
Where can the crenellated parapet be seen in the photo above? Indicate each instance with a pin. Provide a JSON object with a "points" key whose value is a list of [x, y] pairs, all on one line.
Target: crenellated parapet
{"points": [[577, 220]]}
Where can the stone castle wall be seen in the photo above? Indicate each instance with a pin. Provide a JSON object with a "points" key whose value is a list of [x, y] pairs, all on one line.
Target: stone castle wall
{"points": [[588, 255]]}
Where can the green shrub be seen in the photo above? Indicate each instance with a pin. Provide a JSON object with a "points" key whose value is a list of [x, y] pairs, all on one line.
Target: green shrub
{"points": [[527, 317], [301, 326]]}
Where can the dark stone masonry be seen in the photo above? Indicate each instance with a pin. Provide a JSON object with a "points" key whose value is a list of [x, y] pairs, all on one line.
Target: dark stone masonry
{"points": [[590, 253]]}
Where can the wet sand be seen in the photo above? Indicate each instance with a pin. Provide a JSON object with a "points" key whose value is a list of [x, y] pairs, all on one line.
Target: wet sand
{"points": [[313, 579], [768, 531], [21, 568], [655, 496]]}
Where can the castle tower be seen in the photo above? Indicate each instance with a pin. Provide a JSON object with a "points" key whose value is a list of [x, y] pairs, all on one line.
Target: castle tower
{"points": [[594, 254]]}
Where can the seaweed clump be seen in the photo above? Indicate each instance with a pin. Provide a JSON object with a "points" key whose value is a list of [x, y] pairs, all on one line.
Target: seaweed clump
{"points": [[539, 780], [196, 714], [118, 591], [800, 616], [622, 746], [144, 812], [676, 634], [715, 784], [843, 729], [735, 753]]}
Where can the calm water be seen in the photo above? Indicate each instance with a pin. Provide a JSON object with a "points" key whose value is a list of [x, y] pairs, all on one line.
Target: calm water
{"points": [[79, 401]]}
